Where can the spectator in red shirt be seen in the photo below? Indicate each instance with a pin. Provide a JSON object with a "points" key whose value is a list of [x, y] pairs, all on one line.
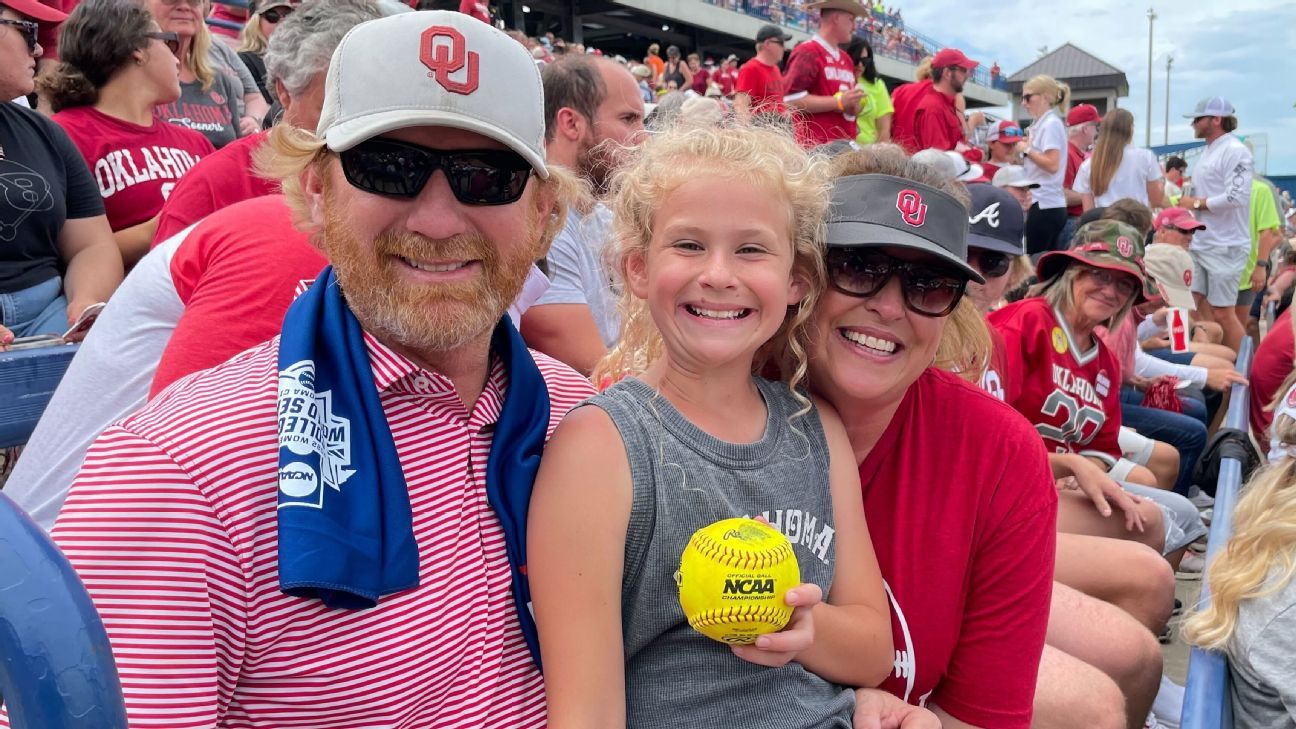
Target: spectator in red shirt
{"points": [[904, 99], [475, 8], [1082, 129], [760, 82], [821, 82], [965, 541], [937, 123], [117, 66], [728, 76], [701, 76]]}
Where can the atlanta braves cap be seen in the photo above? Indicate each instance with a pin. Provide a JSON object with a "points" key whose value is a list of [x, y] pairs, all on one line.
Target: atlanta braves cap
{"points": [[881, 210], [997, 222], [434, 68]]}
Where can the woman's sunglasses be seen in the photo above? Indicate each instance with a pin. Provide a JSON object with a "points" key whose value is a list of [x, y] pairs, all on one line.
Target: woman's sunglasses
{"points": [[863, 272], [171, 40], [29, 30], [276, 14], [991, 264], [400, 169]]}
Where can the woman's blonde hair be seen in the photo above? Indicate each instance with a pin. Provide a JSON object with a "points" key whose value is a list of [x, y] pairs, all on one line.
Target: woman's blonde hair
{"points": [[965, 345], [1058, 93], [1117, 131], [199, 60], [251, 39], [758, 155], [1260, 558], [1057, 290]]}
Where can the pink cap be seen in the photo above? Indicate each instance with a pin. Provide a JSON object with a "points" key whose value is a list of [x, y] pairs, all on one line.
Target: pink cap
{"points": [[1178, 218]]}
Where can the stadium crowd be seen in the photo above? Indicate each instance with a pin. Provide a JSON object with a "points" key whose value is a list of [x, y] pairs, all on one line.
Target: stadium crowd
{"points": [[386, 289]]}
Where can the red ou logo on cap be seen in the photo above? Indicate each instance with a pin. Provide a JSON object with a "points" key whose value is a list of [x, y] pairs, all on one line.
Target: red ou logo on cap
{"points": [[911, 207], [1124, 246], [443, 50]]}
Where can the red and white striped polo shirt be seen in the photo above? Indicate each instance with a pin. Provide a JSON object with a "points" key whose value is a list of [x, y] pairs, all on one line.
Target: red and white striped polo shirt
{"points": [[171, 524]]}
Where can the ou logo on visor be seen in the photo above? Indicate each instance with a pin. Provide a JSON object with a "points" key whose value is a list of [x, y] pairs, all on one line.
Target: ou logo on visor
{"points": [[443, 50], [911, 207]]}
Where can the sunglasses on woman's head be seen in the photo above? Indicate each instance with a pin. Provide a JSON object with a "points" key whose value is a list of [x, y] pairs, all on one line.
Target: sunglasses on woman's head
{"points": [[276, 14], [28, 29], [991, 264], [400, 169], [171, 40], [927, 289]]}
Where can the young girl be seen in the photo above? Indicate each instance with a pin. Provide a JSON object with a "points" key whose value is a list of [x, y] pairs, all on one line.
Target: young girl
{"points": [[1252, 612], [717, 243]]}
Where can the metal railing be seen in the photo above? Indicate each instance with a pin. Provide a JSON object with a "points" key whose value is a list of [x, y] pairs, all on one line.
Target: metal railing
{"points": [[1206, 694], [880, 29]]}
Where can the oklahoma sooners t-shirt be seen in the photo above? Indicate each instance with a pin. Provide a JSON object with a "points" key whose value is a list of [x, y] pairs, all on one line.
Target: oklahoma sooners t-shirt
{"points": [[817, 69], [1071, 396], [134, 166], [962, 513], [213, 112]]}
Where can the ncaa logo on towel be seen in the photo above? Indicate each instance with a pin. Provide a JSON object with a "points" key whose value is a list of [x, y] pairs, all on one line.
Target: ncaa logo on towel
{"points": [[444, 51], [912, 208], [312, 434]]}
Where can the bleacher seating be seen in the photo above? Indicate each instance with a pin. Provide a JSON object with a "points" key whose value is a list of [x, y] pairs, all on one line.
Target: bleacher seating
{"points": [[28, 378]]}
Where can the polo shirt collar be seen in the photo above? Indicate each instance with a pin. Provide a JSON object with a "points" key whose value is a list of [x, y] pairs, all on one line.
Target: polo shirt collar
{"points": [[827, 46], [394, 371]]}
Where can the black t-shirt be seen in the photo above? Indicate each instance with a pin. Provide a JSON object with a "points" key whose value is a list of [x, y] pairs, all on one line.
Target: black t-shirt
{"points": [[44, 181]]}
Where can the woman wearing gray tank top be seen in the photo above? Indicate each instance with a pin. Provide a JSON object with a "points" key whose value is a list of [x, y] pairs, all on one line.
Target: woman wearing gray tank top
{"points": [[700, 439]]}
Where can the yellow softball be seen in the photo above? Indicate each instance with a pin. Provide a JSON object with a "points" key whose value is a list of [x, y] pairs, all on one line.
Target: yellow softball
{"points": [[732, 579]]}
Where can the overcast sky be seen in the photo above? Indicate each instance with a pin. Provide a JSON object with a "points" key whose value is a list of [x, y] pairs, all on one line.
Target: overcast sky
{"points": [[1244, 50]]}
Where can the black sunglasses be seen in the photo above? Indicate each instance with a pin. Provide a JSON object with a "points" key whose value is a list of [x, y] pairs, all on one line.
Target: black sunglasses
{"points": [[1190, 231], [172, 40], [29, 30], [928, 290], [991, 264], [400, 169], [276, 14]]}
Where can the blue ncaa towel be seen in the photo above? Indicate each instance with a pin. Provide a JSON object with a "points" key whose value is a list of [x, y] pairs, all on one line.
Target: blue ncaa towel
{"points": [[345, 527]]}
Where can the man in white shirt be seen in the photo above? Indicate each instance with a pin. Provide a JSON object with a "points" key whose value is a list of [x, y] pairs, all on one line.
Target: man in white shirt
{"points": [[593, 112], [1221, 199]]}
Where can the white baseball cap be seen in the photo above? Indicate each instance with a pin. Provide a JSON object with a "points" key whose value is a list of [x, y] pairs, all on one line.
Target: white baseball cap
{"points": [[1212, 106], [433, 68], [1171, 267], [1012, 176]]}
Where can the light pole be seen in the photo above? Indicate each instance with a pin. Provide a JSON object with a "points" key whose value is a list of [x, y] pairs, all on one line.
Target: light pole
{"points": [[1169, 63], [1151, 16]]}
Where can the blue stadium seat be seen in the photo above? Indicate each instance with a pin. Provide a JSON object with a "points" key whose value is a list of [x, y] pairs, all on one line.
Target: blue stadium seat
{"points": [[28, 378]]}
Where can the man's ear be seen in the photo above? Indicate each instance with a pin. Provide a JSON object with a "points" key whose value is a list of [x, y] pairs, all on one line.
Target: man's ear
{"points": [[313, 187], [571, 124], [281, 93]]}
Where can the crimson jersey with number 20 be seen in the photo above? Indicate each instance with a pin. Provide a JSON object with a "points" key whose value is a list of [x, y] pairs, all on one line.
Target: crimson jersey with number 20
{"points": [[1072, 397]]}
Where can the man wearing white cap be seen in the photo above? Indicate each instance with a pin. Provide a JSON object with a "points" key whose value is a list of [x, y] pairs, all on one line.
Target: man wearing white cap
{"points": [[1013, 179], [329, 529], [1221, 199]]}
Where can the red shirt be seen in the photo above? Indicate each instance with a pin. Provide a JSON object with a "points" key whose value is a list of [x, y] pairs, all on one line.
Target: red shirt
{"points": [[936, 123], [171, 524], [236, 274], [1272, 364], [1074, 159], [905, 100], [475, 8], [999, 379], [700, 80], [221, 179], [764, 84], [1072, 397], [222, 12], [815, 68], [728, 80], [136, 167], [962, 513]]}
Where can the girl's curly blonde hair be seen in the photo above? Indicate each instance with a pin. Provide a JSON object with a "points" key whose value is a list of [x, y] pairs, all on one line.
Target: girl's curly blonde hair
{"points": [[756, 155]]}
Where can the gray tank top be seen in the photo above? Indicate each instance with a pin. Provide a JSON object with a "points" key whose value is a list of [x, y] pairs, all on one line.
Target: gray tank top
{"points": [[684, 479]]}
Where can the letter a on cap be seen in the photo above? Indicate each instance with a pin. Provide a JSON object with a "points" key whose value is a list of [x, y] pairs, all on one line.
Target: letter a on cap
{"points": [[912, 208], [444, 51]]}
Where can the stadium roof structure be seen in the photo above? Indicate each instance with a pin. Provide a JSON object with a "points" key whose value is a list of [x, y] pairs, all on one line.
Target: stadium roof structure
{"points": [[1079, 68]]}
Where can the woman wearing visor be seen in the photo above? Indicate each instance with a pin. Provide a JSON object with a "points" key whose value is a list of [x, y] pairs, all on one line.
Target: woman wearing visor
{"points": [[967, 544]]}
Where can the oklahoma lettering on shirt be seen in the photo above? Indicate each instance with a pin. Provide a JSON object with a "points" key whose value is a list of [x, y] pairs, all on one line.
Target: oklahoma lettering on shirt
{"points": [[134, 166], [974, 521], [1071, 396], [815, 68], [171, 524]]}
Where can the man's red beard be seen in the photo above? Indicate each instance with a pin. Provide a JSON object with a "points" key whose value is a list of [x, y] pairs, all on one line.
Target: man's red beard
{"points": [[425, 318]]}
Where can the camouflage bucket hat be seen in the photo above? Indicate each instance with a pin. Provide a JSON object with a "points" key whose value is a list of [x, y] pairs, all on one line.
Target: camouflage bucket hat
{"points": [[1107, 244]]}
